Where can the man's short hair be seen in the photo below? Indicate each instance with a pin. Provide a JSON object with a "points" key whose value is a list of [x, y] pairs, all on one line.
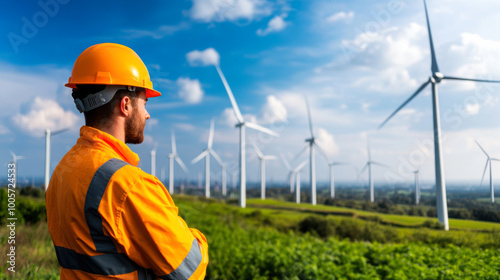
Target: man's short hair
{"points": [[101, 115]]}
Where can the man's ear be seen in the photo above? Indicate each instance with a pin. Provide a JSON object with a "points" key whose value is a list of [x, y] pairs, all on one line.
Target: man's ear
{"points": [[126, 106]]}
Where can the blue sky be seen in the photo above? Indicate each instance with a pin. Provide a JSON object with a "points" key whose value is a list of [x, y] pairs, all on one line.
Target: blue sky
{"points": [[357, 61]]}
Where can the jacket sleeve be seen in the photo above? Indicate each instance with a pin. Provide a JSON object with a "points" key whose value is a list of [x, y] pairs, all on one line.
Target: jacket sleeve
{"points": [[153, 235]]}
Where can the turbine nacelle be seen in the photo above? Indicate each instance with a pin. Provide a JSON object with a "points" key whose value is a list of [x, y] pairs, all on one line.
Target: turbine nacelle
{"points": [[310, 140], [437, 77]]}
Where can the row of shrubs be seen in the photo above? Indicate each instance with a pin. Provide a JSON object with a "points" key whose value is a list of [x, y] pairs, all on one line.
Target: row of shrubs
{"points": [[27, 209]]}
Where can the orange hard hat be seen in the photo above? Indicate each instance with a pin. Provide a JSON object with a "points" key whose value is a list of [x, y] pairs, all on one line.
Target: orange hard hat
{"points": [[111, 64]]}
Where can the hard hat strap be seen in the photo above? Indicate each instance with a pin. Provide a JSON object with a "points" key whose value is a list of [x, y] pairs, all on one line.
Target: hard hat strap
{"points": [[100, 98]]}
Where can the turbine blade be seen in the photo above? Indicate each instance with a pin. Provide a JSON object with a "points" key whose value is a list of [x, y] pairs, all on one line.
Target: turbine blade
{"points": [[19, 157], [300, 166], [321, 152], [211, 135], [261, 128], [309, 117], [482, 149], [231, 96], [59, 131], [363, 169], [337, 163], [484, 172], [217, 158], [179, 161], [300, 153], [257, 150], [495, 159], [270, 157], [406, 102], [379, 164], [200, 156], [286, 163], [434, 66], [472, 80], [174, 149], [368, 149]]}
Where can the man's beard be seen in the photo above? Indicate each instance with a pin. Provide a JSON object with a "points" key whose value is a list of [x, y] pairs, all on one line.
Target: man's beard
{"points": [[134, 129]]}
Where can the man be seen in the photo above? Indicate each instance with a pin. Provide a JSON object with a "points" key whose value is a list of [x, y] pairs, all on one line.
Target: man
{"points": [[108, 219]]}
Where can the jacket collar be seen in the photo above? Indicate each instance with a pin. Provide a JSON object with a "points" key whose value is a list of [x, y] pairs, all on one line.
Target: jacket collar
{"points": [[109, 143]]}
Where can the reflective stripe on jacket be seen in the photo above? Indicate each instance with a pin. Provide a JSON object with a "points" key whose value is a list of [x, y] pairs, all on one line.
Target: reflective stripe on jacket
{"points": [[110, 220]]}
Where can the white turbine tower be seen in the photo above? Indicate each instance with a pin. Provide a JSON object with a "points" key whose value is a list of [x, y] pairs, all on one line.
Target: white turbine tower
{"points": [[241, 124], [312, 166], [224, 179], [331, 166], [296, 171], [488, 162], [262, 159], [369, 164], [290, 173], [435, 79], [206, 154], [173, 156], [417, 187], [153, 162], [48, 133]]}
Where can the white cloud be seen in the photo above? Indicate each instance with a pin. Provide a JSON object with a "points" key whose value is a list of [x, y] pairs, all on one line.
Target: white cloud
{"points": [[383, 60], [230, 120], [150, 123], [340, 16], [276, 24], [326, 142], [273, 111], [228, 10], [159, 33], [203, 58], [4, 130], [43, 114], [472, 109], [474, 57], [185, 126], [190, 90], [149, 140]]}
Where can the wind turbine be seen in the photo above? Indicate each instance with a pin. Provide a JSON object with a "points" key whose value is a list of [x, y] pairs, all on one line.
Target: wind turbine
{"points": [[369, 164], [488, 162], [153, 162], [312, 166], [435, 78], [290, 173], [206, 154], [173, 156], [242, 124], [262, 159], [48, 133], [417, 187], [15, 158], [296, 171]]}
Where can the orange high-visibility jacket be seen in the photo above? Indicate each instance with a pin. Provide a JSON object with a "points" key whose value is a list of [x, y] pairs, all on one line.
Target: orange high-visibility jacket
{"points": [[110, 220]]}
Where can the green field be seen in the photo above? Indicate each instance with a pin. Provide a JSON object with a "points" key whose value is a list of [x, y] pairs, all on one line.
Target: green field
{"points": [[393, 219], [293, 241]]}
